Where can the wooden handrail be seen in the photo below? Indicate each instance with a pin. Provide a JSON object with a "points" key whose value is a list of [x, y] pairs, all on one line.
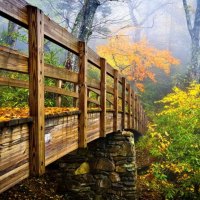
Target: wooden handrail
{"points": [[40, 27]]}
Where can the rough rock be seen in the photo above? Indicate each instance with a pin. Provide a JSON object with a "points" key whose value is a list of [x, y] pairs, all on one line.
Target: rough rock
{"points": [[106, 170]]}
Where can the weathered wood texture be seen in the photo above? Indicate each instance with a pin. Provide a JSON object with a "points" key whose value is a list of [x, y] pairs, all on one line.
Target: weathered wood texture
{"points": [[61, 137], [126, 121], [109, 122], [83, 94], [36, 90], [93, 131], [116, 107], [129, 106], [46, 141], [103, 98], [119, 122], [14, 155], [123, 103], [11, 60]]}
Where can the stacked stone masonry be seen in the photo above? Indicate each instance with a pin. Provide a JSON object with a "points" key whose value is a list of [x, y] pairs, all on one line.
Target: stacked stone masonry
{"points": [[106, 170]]}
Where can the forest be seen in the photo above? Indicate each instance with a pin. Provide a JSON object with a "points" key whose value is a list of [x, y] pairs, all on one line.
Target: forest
{"points": [[156, 46]]}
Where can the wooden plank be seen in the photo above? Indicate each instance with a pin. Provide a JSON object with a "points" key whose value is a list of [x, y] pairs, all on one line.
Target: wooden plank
{"points": [[109, 89], [94, 90], [123, 102], [75, 100], [24, 84], [129, 106], [59, 35], [109, 100], [119, 121], [12, 60], [83, 94], [93, 126], [109, 124], [60, 91], [58, 96], [115, 106], [93, 83], [63, 137], [13, 82], [133, 109], [103, 98], [14, 177], [60, 73], [94, 58], [110, 70], [93, 101], [15, 10], [136, 112], [36, 90]]}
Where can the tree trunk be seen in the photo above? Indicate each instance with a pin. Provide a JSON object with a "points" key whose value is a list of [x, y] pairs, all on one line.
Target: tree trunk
{"points": [[194, 31], [194, 71], [82, 28], [84, 20]]}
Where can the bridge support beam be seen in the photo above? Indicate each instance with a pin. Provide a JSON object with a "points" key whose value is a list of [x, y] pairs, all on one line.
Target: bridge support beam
{"points": [[105, 170]]}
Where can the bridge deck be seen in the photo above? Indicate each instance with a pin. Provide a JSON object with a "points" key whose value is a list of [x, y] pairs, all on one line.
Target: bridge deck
{"points": [[28, 145]]}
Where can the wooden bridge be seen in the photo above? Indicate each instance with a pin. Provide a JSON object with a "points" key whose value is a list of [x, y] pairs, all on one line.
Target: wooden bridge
{"points": [[28, 145]]}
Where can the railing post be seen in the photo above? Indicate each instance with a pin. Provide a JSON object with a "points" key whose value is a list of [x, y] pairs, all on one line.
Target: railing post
{"points": [[36, 90], [123, 102], [133, 109], [83, 94], [103, 98], [115, 114], [129, 106]]}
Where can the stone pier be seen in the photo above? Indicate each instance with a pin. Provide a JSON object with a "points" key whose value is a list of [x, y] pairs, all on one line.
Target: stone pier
{"points": [[106, 170]]}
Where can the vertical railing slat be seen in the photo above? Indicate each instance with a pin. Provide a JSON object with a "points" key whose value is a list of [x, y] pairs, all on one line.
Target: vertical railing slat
{"points": [[123, 102], [103, 98], [115, 114], [83, 95], [129, 106], [133, 109]]}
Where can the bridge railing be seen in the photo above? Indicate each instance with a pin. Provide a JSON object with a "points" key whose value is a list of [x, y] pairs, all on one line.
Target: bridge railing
{"points": [[40, 27]]}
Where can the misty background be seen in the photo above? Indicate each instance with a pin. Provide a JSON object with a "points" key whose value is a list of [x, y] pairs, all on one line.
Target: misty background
{"points": [[161, 22]]}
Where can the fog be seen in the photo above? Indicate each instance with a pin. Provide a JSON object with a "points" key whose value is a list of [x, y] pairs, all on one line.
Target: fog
{"points": [[164, 27]]}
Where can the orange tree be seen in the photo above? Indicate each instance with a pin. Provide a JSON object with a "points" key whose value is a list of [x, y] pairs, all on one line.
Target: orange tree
{"points": [[174, 140], [135, 60]]}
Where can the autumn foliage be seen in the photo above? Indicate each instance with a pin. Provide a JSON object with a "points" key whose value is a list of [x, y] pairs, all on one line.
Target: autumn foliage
{"points": [[135, 60], [173, 140], [8, 113]]}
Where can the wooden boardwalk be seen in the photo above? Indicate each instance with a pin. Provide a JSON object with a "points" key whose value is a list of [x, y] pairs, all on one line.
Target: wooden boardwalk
{"points": [[28, 145]]}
